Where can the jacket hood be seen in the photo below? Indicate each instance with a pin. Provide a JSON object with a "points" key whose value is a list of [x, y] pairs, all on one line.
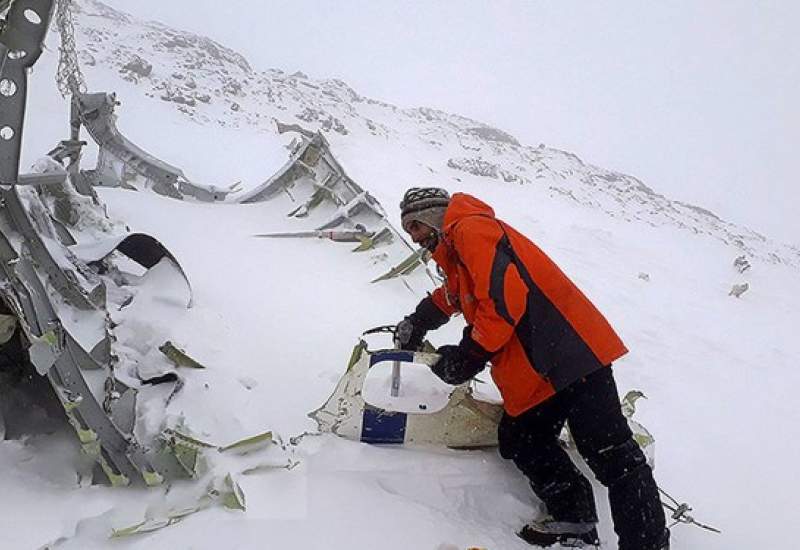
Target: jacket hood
{"points": [[463, 205]]}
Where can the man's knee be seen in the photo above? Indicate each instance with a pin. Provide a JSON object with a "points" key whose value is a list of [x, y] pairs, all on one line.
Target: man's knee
{"points": [[611, 464]]}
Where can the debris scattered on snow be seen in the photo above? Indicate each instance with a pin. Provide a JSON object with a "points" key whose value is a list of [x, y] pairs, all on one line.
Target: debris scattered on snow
{"points": [[741, 264], [738, 289]]}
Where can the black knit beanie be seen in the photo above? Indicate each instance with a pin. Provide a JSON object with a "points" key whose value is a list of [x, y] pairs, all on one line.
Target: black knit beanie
{"points": [[426, 205]]}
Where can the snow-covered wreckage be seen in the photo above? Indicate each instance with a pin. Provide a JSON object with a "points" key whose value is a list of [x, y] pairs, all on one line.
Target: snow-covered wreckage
{"points": [[67, 270]]}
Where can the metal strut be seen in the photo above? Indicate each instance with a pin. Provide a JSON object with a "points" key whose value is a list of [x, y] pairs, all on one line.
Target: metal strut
{"points": [[680, 513]]}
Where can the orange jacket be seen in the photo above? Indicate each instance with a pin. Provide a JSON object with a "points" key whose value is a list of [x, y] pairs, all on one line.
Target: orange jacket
{"points": [[545, 334]]}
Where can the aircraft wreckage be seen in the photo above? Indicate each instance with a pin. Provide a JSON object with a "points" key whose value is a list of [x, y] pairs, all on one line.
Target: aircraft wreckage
{"points": [[64, 264]]}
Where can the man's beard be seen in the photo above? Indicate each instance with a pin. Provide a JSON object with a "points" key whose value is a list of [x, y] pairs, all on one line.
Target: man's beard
{"points": [[431, 242]]}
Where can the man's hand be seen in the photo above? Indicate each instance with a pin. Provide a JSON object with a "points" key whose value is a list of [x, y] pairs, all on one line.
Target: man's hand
{"points": [[411, 331], [407, 335], [460, 363]]}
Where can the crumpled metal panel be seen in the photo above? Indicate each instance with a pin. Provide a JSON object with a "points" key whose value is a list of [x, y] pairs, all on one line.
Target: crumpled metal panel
{"points": [[95, 111], [464, 422], [37, 272], [82, 290]]}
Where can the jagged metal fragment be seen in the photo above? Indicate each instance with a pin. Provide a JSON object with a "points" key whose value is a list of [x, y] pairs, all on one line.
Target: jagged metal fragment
{"points": [[417, 258], [464, 422], [120, 159], [80, 288], [311, 177], [41, 279], [384, 236], [172, 517], [139, 247], [30, 277], [178, 356], [249, 444], [225, 492], [187, 450], [640, 434], [231, 494]]}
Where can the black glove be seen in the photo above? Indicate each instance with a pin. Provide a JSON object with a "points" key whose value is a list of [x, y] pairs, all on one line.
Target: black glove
{"points": [[411, 331], [460, 363]]}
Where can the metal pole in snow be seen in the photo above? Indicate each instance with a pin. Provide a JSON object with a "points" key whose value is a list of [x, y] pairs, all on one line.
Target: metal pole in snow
{"points": [[395, 391]]}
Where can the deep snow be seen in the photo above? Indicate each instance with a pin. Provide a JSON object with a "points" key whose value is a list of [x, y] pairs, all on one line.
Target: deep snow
{"points": [[274, 321]]}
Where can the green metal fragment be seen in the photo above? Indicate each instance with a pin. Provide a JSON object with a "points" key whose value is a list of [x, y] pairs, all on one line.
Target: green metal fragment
{"points": [[187, 450], [86, 436], [188, 458], [269, 467], [71, 404], [405, 267], [367, 243], [355, 357], [178, 356], [116, 480], [50, 338], [91, 448], [154, 524], [176, 436], [248, 442], [125, 531], [152, 478], [643, 439], [233, 497]]}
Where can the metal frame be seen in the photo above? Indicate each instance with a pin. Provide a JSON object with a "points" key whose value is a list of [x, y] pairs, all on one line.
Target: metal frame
{"points": [[21, 40]]}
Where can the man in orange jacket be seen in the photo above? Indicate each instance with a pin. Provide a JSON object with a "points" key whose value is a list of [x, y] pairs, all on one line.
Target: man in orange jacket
{"points": [[551, 352]]}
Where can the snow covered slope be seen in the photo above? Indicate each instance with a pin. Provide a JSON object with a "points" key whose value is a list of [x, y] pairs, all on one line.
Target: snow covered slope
{"points": [[210, 84], [274, 320]]}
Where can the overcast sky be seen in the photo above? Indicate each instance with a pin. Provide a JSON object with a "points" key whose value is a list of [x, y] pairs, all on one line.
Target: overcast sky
{"points": [[699, 99]]}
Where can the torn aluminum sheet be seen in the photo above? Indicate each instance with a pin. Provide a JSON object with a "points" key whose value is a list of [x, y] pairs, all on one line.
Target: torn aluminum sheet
{"points": [[58, 300], [61, 325], [121, 161], [316, 182], [464, 422], [139, 247]]}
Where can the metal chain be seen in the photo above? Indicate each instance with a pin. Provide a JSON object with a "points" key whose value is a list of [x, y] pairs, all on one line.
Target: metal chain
{"points": [[68, 76]]}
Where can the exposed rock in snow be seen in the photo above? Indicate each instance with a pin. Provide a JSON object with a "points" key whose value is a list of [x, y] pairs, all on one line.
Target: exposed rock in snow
{"points": [[138, 66]]}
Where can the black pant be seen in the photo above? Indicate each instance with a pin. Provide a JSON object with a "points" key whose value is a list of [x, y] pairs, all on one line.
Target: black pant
{"points": [[603, 438]]}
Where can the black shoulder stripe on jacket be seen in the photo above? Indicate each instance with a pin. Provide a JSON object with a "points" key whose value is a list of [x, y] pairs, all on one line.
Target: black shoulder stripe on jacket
{"points": [[500, 264], [552, 345]]}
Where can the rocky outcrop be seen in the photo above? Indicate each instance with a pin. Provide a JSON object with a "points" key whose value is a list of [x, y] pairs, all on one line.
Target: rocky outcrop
{"points": [[138, 66]]}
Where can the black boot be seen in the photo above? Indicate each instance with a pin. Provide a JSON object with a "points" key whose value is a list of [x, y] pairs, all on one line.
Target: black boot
{"points": [[568, 535]]}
